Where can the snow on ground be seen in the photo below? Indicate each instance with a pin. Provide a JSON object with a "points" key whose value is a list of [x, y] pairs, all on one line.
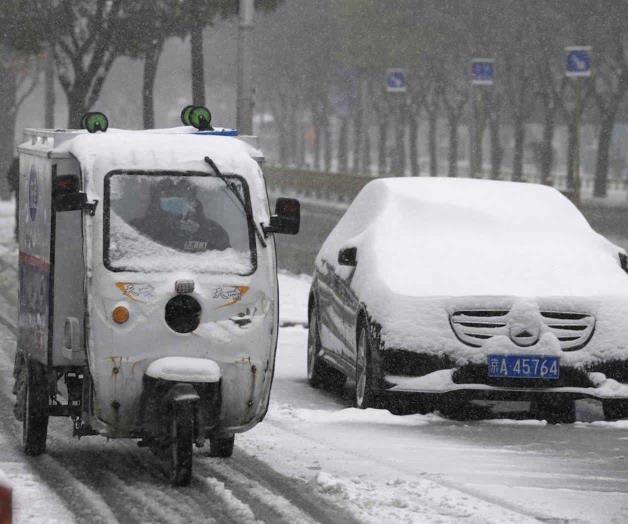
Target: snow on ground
{"points": [[425, 468], [377, 466], [294, 291]]}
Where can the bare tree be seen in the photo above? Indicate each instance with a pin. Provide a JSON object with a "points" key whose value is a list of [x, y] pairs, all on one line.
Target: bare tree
{"points": [[19, 75]]}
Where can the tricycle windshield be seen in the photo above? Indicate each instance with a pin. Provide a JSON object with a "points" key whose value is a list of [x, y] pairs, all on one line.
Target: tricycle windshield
{"points": [[164, 221]]}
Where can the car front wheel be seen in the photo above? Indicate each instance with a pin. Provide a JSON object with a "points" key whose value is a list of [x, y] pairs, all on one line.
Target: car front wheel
{"points": [[364, 383]]}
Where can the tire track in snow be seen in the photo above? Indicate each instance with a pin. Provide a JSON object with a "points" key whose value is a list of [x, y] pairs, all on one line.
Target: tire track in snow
{"points": [[101, 484], [290, 499], [268, 506], [85, 504]]}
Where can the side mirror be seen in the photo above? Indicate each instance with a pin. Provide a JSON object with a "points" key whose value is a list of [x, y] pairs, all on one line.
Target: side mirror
{"points": [[348, 256], [66, 195], [287, 217], [70, 202]]}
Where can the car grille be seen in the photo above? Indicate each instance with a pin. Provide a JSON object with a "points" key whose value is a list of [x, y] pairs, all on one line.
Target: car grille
{"points": [[475, 327]]}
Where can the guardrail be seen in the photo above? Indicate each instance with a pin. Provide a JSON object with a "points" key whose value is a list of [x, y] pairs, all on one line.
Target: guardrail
{"points": [[608, 217], [314, 184], [344, 187]]}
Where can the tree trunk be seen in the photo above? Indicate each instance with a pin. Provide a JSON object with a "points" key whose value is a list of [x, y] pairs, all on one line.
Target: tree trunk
{"points": [[453, 145], [49, 90], [382, 145], [358, 139], [517, 157], [477, 135], [600, 184], [547, 147], [497, 151], [301, 144], [316, 161], [400, 149], [327, 133], [8, 94], [198, 65], [367, 152], [293, 130], [151, 62], [413, 131], [572, 131], [77, 103], [431, 142], [343, 149], [279, 114], [283, 145]]}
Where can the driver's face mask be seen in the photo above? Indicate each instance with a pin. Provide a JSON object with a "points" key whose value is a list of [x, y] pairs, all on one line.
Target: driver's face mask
{"points": [[177, 206]]}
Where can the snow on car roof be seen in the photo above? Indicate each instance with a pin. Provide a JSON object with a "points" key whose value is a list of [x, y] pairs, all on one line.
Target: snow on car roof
{"points": [[460, 199], [464, 237]]}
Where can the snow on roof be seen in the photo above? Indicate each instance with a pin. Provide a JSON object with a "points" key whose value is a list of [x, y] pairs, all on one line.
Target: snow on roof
{"points": [[176, 149], [464, 237]]}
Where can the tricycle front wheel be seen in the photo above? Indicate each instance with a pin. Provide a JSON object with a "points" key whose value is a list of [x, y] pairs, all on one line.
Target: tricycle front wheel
{"points": [[181, 444]]}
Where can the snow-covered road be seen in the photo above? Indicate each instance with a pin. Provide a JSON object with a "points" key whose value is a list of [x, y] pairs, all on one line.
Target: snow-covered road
{"points": [[316, 459]]}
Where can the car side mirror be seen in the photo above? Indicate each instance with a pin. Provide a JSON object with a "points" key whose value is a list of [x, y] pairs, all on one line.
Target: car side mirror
{"points": [[287, 217], [348, 256]]}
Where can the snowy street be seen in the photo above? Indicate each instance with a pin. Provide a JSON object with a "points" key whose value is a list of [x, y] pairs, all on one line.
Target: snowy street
{"points": [[316, 459]]}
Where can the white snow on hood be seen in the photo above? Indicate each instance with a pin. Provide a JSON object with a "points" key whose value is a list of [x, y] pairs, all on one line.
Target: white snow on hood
{"points": [[463, 237]]}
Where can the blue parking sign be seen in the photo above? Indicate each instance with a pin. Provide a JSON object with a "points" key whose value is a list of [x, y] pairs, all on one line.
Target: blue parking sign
{"points": [[396, 81], [578, 61], [482, 71]]}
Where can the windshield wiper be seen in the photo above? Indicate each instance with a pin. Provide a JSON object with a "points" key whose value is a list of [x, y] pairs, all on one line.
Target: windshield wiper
{"points": [[233, 188]]}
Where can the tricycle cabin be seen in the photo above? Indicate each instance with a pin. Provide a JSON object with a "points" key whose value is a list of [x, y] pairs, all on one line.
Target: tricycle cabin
{"points": [[150, 250]]}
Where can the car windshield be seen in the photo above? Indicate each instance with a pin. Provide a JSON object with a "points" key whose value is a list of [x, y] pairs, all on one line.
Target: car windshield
{"points": [[176, 221]]}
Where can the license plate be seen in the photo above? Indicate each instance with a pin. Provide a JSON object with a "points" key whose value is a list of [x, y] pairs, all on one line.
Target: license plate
{"points": [[519, 366]]}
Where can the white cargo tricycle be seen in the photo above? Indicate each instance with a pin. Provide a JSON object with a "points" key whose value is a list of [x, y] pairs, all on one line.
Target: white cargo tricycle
{"points": [[148, 303]]}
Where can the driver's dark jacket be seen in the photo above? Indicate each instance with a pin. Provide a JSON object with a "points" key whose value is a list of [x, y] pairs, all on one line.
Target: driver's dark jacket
{"points": [[191, 233]]}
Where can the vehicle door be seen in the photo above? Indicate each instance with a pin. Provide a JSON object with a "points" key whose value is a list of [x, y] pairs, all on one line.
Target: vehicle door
{"points": [[330, 319], [346, 304]]}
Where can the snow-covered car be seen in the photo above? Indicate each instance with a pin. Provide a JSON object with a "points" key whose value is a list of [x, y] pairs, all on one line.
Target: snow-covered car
{"points": [[442, 291]]}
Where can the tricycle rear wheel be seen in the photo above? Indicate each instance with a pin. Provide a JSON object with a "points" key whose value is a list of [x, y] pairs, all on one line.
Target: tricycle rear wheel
{"points": [[34, 409], [181, 444]]}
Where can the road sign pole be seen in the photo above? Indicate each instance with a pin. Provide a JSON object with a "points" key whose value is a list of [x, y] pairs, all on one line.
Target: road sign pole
{"points": [[577, 66], [482, 74], [576, 163]]}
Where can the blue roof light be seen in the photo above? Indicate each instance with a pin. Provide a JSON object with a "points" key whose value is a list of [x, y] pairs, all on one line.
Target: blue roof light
{"points": [[220, 132]]}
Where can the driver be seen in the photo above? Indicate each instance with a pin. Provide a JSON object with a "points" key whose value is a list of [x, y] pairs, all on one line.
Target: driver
{"points": [[175, 218]]}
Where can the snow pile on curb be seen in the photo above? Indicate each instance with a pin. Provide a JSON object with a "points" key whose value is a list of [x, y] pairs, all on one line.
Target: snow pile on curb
{"points": [[422, 501], [352, 415]]}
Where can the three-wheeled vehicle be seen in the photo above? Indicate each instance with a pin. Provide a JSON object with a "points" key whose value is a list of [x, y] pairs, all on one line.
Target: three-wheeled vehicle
{"points": [[148, 296]]}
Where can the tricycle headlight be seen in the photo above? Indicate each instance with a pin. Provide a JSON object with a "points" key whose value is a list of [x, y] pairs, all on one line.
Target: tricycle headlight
{"points": [[120, 315]]}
